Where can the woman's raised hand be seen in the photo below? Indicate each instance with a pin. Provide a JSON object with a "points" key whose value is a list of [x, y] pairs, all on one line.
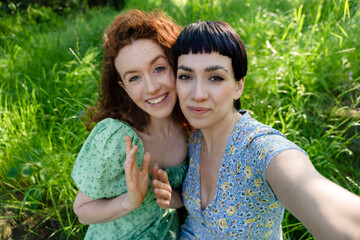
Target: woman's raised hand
{"points": [[137, 181], [161, 187]]}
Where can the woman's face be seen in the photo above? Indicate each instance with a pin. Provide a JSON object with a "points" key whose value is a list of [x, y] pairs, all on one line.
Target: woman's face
{"points": [[147, 77], [207, 89]]}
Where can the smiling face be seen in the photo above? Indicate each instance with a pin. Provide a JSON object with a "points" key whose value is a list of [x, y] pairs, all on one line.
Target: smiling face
{"points": [[207, 88], [147, 77]]}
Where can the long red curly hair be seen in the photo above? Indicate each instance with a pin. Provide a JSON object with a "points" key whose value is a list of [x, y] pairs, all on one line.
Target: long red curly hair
{"points": [[113, 101]]}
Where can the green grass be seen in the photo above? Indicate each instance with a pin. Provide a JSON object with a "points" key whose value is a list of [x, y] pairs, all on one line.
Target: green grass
{"points": [[303, 79]]}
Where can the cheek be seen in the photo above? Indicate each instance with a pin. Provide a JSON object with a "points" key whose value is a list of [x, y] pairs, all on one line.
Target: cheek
{"points": [[172, 76], [172, 81], [132, 92], [181, 94], [180, 90], [169, 79], [227, 95]]}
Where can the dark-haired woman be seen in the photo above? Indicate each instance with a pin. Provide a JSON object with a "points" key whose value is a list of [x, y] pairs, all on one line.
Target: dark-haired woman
{"points": [[241, 172], [137, 105]]}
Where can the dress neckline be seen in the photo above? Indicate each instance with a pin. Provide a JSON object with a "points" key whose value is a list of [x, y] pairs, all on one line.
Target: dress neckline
{"points": [[237, 126]]}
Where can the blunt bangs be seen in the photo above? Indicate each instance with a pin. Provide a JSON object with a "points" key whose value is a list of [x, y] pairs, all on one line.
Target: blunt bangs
{"points": [[213, 36]]}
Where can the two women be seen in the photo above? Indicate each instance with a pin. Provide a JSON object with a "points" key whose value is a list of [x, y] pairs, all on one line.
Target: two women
{"points": [[241, 173]]}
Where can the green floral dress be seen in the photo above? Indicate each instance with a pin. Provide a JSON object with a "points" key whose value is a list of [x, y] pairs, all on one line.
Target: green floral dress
{"points": [[99, 173]]}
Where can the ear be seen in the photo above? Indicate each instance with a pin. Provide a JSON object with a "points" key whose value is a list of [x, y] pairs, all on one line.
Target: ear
{"points": [[121, 84], [239, 88]]}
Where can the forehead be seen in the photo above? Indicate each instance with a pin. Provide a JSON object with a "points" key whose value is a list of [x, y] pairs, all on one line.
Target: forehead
{"points": [[140, 52], [204, 60]]}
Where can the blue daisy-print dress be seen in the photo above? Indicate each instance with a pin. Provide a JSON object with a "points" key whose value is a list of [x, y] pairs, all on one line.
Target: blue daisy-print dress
{"points": [[244, 206]]}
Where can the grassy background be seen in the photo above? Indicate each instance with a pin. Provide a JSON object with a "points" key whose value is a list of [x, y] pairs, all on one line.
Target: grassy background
{"points": [[304, 79]]}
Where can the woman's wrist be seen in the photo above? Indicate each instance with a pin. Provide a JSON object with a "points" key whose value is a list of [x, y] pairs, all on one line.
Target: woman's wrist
{"points": [[127, 204]]}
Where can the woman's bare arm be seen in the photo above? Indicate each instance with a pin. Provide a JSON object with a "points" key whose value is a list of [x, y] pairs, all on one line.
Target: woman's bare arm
{"points": [[326, 209], [90, 211]]}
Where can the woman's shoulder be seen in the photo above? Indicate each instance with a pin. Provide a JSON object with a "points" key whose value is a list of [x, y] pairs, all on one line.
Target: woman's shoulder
{"points": [[263, 140], [107, 127], [112, 123], [249, 128], [98, 169]]}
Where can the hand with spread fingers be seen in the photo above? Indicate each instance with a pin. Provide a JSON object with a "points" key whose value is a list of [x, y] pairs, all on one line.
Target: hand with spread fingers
{"points": [[137, 181], [161, 187]]}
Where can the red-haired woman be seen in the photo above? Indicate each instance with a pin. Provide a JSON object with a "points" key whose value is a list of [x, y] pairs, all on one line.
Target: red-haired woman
{"points": [[138, 103]]}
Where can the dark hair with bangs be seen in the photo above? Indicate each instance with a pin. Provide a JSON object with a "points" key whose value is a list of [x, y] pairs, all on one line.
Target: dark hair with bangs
{"points": [[213, 36]]}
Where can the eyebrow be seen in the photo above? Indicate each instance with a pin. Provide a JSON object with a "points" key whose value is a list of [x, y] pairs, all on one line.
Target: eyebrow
{"points": [[157, 57], [185, 68], [207, 69], [215, 67], [151, 62]]}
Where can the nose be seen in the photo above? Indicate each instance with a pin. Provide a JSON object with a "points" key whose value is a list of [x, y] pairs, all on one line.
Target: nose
{"points": [[152, 86], [199, 92]]}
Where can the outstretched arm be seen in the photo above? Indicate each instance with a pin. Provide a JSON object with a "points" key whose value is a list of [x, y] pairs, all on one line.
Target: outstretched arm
{"points": [[327, 210], [165, 196], [91, 211]]}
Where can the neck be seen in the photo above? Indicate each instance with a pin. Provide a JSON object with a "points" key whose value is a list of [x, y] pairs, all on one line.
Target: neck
{"points": [[160, 126], [215, 138]]}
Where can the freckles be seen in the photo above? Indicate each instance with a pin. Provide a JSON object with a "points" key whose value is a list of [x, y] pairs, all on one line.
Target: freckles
{"points": [[171, 77]]}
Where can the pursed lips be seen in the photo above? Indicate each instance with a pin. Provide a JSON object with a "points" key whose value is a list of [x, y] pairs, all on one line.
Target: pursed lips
{"points": [[199, 110]]}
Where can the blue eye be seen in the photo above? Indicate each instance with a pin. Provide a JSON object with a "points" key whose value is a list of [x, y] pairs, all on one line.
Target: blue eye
{"points": [[216, 78], [134, 78], [159, 69], [184, 77]]}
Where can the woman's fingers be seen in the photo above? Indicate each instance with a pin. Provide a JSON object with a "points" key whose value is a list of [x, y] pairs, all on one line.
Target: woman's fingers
{"points": [[164, 204], [160, 185], [162, 181], [128, 143], [162, 194], [162, 176], [146, 163], [137, 181], [131, 156], [155, 171], [163, 197], [131, 168]]}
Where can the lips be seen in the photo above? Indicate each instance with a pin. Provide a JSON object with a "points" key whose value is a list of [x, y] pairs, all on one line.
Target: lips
{"points": [[198, 110], [157, 99]]}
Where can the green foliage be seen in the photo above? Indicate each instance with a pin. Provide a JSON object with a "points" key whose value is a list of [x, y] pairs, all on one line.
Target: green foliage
{"points": [[49, 75], [303, 79], [35, 7]]}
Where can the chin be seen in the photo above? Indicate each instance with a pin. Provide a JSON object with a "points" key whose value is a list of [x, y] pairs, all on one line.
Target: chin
{"points": [[196, 124], [161, 114]]}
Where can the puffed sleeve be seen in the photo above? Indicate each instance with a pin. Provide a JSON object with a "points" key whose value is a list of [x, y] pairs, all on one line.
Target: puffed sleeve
{"points": [[99, 167], [267, 146]]}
